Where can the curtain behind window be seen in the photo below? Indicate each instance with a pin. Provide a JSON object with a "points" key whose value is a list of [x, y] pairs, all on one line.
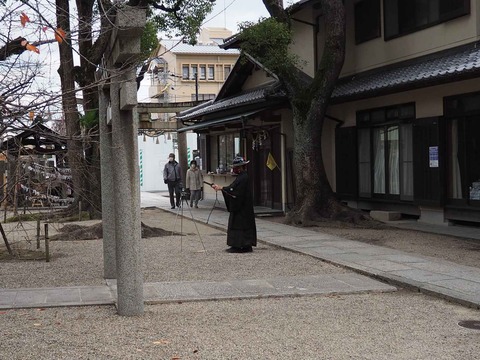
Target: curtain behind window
{"points": [[393, 161], [379, 161], [455, 166]]}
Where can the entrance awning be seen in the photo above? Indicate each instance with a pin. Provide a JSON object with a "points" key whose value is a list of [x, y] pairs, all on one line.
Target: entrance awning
{"points": [[219, 121]]}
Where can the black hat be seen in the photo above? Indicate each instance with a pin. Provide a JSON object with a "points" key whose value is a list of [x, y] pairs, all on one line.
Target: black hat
{"points": [[239, 161]]}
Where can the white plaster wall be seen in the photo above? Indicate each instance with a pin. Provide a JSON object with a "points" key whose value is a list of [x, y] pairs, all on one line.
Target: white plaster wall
{"points": [[303, 46], [153, 157], [378, 52], [256, 79]]}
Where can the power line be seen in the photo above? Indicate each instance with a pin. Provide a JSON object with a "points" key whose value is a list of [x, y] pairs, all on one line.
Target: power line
{"points": [[219, 13]]}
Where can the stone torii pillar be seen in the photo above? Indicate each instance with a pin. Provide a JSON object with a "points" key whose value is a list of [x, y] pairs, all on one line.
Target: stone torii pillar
{"points": [[123, 258]]}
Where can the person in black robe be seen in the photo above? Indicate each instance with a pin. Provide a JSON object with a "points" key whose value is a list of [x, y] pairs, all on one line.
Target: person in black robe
{"points": [[242, 231]]}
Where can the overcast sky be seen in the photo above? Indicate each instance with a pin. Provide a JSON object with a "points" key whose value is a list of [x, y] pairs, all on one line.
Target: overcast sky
{"points": [[226, 13], [236, 11]]}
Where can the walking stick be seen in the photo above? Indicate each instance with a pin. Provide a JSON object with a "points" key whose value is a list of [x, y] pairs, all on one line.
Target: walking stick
{"points": [[225, 192]]}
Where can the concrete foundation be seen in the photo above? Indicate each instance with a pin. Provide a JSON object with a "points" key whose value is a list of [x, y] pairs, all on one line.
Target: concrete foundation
{"points": [[434, 216], [385, 215]]}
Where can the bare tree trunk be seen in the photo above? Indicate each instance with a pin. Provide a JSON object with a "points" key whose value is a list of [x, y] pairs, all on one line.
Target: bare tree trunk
{"points": [[315, 197], [69, 104], [92, 176], [85, 77], [313, 188]]}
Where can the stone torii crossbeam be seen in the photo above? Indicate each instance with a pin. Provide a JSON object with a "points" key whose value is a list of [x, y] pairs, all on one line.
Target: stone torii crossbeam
{"points": [[122, 250]]}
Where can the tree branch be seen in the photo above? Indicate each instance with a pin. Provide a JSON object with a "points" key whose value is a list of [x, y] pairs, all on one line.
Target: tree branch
{"points": [[176, 7], [276, 10], [155, 4], [106, 26], [13, 47]]}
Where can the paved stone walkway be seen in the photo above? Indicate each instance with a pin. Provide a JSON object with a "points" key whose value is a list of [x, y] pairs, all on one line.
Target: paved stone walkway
{"points": [[430, 275], [54, 297], [433, 276], [163, 292]]}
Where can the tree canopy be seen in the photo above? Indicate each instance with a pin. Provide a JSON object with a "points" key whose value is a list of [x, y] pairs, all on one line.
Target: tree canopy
{"points": [[71, 37]]}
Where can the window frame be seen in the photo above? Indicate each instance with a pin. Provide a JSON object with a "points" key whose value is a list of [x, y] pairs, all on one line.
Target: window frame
{"points": [[371, 120], [234, 140], [453, 106], [203, 72], [365, 12], [202, 97], [225, 67], [187, 68], [194, 70], [210, 74], [465, 10]]}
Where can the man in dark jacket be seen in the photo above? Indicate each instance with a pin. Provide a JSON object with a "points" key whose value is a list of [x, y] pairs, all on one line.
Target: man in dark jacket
{"points": [[172, 177], [242, 231]]}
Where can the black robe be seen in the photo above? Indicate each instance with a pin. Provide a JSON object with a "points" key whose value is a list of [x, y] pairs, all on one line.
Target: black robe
{"points": [[241, 231]]}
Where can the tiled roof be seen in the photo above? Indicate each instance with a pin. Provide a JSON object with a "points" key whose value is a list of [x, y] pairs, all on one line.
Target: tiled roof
{"points": [[179, 47], [195, 109], [441, 67], [253, 96]]}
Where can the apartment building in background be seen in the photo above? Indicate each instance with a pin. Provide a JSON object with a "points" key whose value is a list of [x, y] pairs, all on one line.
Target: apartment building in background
{"points": [[182, 72], [179, 74]]}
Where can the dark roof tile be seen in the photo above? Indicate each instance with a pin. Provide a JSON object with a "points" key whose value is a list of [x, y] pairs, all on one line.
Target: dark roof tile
{"points": [[440, 67], [248, 97]]}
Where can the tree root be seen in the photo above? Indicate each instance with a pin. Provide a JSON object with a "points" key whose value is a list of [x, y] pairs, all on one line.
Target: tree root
{"points": [[332, 211]]}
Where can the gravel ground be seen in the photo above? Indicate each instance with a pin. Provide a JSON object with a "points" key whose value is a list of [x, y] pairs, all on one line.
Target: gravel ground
{"points": [[401, 325], [169, 258]]}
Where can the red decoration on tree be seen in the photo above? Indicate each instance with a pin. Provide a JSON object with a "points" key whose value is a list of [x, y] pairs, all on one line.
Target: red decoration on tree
{"points": [[24, 19]]}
